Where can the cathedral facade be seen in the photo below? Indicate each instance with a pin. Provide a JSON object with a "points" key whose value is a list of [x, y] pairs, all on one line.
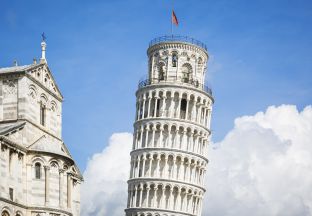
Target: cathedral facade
{"points": [[38, 176], [171, 131]]}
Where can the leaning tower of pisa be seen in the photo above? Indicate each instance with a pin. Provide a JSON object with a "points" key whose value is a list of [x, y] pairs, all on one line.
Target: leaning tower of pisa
{"points": [[171, 131]]}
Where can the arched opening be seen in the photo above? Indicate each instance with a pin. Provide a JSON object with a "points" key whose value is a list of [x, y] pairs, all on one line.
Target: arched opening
{"points": [[186, 73], [183, 108], [174, 60], [161, 71], [42, 114], [37, 170], [5, 213]]}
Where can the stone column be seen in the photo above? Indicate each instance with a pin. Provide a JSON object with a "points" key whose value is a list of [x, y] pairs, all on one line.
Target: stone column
{"points": [[170, 199], [153, 136], [135, 140], [155, 197], [146, 136], [191, 144], [193, 113], [196, 150], [199, 113], [165, 170], [134, 201], [173, 168], [141, 194], [150, 165], [141, 138], [47, 185], [143, 110], [143, 166], [184, 140], [171, 114], [179, 107], [69, 190], [177, 203], [129, 198], [163, 198], [147, 195], [160, 136], [149, 106], [155, 110], [61, 182], [181, 170], [169, 137], [138, 168], [157, 166], [187, 108], [174, 141], [163, 106]]}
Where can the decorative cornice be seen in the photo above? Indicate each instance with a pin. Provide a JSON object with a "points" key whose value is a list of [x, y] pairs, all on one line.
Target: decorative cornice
{"points": [[177, 45], [164, 180], [36, 208], [157, 210], [149, 150], [169, 84], [167, 120]]}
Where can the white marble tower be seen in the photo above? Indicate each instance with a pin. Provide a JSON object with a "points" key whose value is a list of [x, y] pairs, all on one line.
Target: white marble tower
{"points": [[171, 131]]}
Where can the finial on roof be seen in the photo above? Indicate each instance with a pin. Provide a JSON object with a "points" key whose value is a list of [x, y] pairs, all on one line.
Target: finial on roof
{"points": [[34, 61], [15, 63], [43, 48]]}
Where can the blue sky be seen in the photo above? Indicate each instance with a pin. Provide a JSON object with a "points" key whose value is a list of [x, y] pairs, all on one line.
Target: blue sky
{"points": [[260, 55]]}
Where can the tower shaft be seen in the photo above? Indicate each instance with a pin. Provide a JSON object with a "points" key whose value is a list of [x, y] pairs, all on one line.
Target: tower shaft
{"points": [[171, 131]]}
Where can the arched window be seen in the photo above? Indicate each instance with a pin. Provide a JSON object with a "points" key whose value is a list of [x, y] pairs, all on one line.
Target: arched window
{"points": [[42, 114], [37, 170], [174, 59], [161, 71], [5, 213], [186, 73]]}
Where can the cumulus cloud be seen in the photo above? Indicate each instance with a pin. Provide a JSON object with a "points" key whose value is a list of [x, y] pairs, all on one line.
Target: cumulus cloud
{"points": [[104, 191], [262, 167]]}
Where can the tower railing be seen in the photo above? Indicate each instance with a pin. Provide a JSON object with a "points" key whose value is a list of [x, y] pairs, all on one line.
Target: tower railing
{"points": [[177, 38], [194, 83]]}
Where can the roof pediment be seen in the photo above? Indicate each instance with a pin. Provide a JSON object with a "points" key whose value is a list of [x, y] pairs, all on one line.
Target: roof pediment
{"points": [[42, 74]]}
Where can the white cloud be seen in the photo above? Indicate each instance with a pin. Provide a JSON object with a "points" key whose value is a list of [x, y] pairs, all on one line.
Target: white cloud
{"points": [[104, 191], [262, 167]]}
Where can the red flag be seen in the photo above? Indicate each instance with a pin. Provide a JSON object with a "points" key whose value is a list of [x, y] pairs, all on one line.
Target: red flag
{"points": [[174, 19]]}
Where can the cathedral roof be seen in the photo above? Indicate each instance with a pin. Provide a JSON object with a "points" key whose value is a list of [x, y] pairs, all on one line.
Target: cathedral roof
{"points": [[31, 71], [15, 68], [9, 127]]}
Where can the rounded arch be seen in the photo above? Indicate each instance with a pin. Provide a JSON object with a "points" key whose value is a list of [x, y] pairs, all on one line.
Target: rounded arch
{"points": [[33, 92], [174, 59], [39, 159], [161, 70], [5, 211], [43, 99], [53, 106], [18, 213], [187, 71]]}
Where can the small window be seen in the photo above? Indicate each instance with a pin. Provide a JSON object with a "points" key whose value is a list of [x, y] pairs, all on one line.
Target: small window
{"points": [[161, 71], [37, 170], [11, 193], [42, 115], [174, 60]]}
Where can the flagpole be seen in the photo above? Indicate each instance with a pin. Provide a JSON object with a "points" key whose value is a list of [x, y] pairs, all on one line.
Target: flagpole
{"points": [[171, 18]]}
